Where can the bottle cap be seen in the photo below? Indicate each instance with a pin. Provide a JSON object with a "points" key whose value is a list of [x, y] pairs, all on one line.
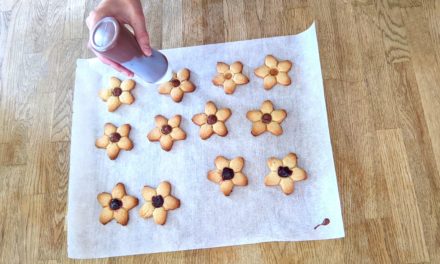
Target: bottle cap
{"points": [[104, 34]]}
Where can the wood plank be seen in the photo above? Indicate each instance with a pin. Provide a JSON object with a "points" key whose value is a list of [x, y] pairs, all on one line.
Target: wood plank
{"points": [[172, 24]]}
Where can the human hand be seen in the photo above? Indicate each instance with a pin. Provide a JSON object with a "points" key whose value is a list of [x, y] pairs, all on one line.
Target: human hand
{"points": [[126, 12]]}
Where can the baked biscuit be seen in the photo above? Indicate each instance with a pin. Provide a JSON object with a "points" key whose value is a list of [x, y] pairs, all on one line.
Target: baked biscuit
{"points": [[116, 205], [115, 139], [178, 85], [266, 119], [274, 71], [117, 93], [229, 76], [212, 121], [167, 131], [228, 174]]}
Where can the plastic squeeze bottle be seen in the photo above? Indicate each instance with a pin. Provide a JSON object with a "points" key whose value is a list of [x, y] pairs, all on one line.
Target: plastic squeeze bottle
{"points": [[114, 41]]}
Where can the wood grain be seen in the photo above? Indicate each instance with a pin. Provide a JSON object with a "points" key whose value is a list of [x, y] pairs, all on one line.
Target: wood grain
{"points": [[380, 64]]}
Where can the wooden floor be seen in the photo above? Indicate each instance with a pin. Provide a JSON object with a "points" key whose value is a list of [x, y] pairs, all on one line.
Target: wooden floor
{"points": [[380, 63]]}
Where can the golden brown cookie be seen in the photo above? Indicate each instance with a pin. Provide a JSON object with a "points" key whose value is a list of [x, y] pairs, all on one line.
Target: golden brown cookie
{"points": [[284, 173], [158, 202], [116, 205], [115, 139], [274, 71], [229, 76], [167, 131], [178, 85], [117, 93], [266, 119], [212, 121], [228, 173]]}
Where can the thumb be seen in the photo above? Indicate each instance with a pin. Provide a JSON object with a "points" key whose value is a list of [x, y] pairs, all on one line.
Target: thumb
{"points": [[141, 34]]}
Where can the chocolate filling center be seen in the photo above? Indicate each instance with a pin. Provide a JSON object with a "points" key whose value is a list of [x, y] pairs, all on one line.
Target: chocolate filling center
{"points": [[212, 119], [228, 76], [166, 129], [115, 204], [115, 137], [227, 174], [157, 201], [266, 118], [175, 82], [273, 72], [284, 172], [117, 91]]}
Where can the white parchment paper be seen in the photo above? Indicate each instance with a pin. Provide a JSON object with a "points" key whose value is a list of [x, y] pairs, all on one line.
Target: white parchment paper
{"points": [[206, 218]]}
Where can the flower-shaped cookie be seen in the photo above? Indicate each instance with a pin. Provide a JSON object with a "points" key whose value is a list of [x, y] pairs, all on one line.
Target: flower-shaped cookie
{"points": [[274, 71], [228, 173], [212, 121], [115, 139], [167, 131], [266, 119], [117, 93], [229, 76], [284, 173], [178, 85], [116, 205], [158, 202]]}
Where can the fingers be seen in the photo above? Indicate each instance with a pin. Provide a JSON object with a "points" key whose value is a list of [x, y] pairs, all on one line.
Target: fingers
{"points": [[140, 32], [115, 65], [93, 18]]}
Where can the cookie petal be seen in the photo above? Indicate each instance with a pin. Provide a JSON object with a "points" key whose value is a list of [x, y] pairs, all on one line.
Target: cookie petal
{"points": [[267, 107], [178, 134], [128, 202], [113, 103], [218, 79], [102, 142], [104, 199], [146, 210], [240, 78], [199, 119], [220, 128], [221, 162], [106, 215], [290, 160], [214, 176], [160, 121], [105, 94], [176, 94], [124, 130], [160, 216], [269, 82], [175, 121], [223, 114], [210, 108], [171, 203], [183, 74], [226, 187], [283, 78], [164, 189], [126, 98], [237, 164], [284, 66], [154, 134], [287, 185], [274, 164], [270, 61], [148, 193], [166, 142], [275, 128], [262, 71], [121, 216], [112, 151], [109, 128], [127, 85], [278, 115], [236, 67], [254, 115], [222, 67], [240, 179], [165, 88], [187, 86], [125, 143], [118, 191], [258, 128], [298, 174], [114, 82], [272, 179], [229, 86], [206, 131]]}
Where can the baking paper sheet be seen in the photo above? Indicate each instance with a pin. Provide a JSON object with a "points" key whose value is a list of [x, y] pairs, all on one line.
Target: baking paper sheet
{"points": [[206, 218]]}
